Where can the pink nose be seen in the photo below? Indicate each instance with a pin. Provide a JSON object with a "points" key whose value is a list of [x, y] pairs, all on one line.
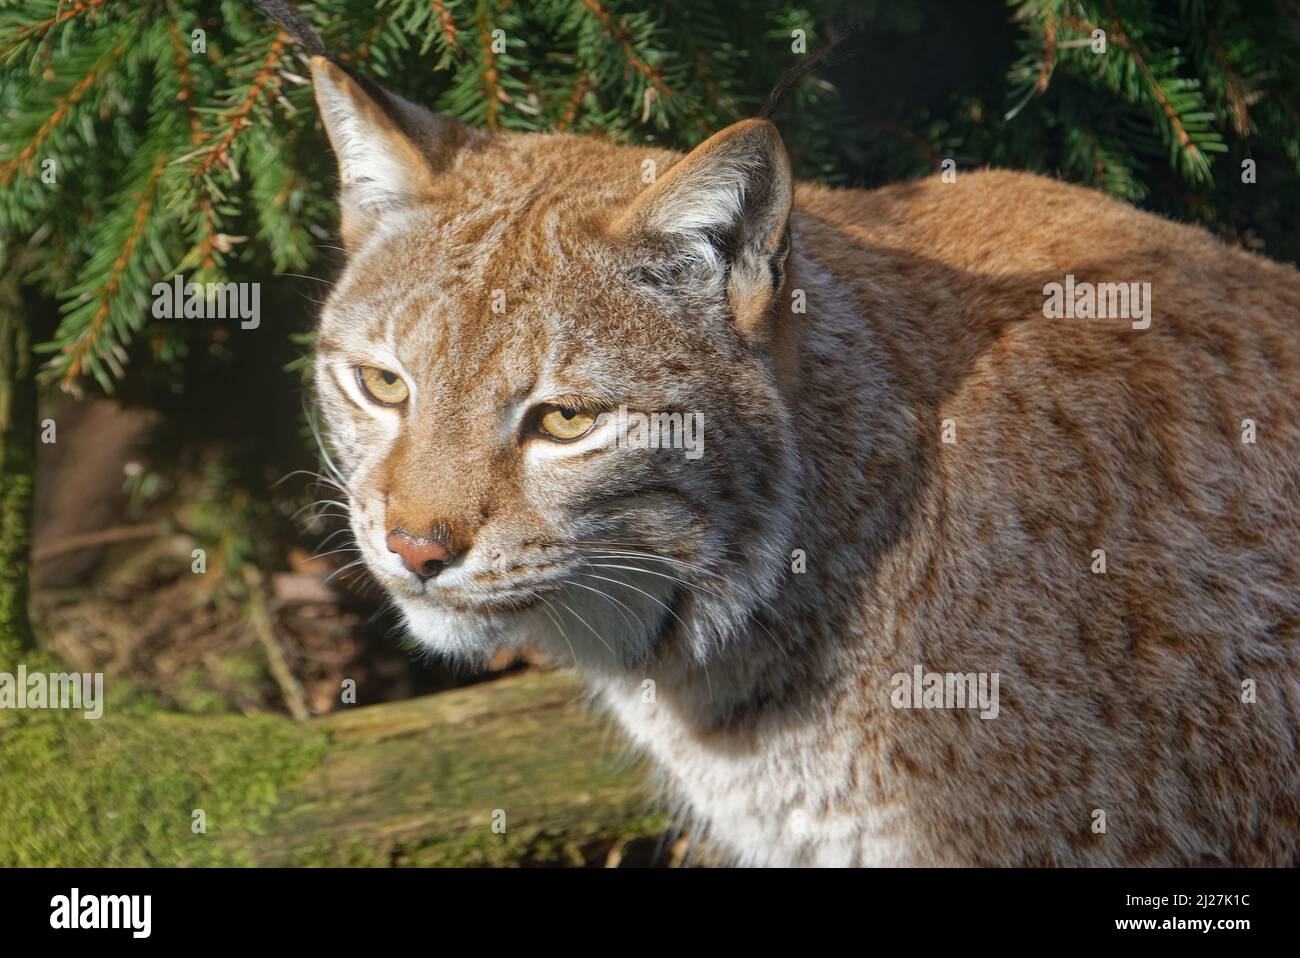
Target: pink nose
{"points": [[423, 556]]}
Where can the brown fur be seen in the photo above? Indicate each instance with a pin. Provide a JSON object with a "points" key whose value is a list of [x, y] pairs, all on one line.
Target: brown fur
{"points": [[771, 712]]}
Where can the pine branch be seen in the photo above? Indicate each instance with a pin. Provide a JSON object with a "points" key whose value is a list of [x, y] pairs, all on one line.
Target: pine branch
{"points": [[1049, 57], [571, 105], [363, 49], [493, 94], [1197, 163], [1234, 90], [486, 78], [448, 24], [215, 159], [623, 37], [31, 33], [233, 121], [186, 82], [91, 334], [64, 107]]}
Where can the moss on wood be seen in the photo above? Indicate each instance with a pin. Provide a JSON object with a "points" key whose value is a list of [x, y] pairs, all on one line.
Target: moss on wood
{"points": [[421, 782]]}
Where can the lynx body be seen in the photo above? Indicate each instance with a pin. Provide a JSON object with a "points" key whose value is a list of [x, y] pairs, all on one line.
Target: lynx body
{"points": [[913, 464]]}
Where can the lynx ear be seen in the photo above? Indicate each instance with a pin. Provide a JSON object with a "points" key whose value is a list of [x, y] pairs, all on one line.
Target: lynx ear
{"points": [[717, 221], [389, 151]]}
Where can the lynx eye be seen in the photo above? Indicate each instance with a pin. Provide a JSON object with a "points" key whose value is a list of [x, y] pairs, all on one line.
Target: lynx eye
{"points": [[565, 424], [382, 386]]}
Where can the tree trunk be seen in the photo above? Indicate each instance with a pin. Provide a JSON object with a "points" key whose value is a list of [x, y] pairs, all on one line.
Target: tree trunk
{"points": [[17, 470]]}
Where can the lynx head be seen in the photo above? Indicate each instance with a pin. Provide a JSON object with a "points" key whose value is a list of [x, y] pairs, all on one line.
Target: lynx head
{"points": [[510, 303]]}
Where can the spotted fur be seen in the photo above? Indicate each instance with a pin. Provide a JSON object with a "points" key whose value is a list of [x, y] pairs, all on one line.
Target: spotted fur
{"points": [[764, 693]]}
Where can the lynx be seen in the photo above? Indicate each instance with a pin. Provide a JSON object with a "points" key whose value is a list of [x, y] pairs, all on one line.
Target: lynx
{"points": [[908, 468]]}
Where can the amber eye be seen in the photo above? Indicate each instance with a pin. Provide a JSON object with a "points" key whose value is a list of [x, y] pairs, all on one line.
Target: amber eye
{"points": [[564, 424], [381, 385]]}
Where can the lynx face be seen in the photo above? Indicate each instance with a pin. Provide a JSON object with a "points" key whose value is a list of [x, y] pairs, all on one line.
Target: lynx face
{"points": [[505, 297]]}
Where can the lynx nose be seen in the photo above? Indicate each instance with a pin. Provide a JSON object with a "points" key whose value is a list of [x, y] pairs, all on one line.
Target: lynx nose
{"points": [[422, 555]]}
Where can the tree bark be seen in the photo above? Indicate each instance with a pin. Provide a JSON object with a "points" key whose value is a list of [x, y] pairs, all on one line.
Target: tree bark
{"points": [[17, 470], [511, 772]]}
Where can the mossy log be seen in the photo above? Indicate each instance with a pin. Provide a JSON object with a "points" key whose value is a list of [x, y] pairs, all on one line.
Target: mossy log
{"points": [[515, 771]]}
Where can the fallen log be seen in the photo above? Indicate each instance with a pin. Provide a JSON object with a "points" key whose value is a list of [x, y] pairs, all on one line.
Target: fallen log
{"points": [[511, 772]]}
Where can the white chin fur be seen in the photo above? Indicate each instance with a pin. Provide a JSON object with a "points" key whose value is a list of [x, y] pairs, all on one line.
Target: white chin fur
{"points": [[471, 639], [577, 628]]}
